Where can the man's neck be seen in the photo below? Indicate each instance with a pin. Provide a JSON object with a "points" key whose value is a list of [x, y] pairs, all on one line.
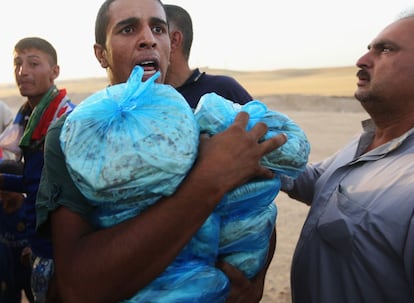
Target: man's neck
{"points": [[34, 100], [178, 74]]}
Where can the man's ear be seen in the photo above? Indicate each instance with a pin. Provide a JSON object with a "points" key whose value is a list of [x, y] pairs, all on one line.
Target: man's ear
{"points": [[176, 38], [100, 54], [55, 72]]}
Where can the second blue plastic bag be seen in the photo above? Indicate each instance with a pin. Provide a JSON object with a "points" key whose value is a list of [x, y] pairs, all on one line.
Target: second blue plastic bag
{"points": [[248, 213]]}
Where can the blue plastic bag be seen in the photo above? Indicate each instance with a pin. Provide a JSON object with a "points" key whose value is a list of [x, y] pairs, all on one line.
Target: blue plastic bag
{"points": [[130, 140], [247, 219], [193, 282], [248, 213], [215, 113]]}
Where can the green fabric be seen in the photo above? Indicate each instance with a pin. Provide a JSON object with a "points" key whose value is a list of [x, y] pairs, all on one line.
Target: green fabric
{"points": [[37, 115]]}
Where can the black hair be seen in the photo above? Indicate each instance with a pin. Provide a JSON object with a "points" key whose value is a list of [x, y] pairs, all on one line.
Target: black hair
{"points": [[39, 44], [179, 18]]}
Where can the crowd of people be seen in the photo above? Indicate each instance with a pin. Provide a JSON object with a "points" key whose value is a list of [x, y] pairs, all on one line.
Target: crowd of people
{"points": [[355, 245]]}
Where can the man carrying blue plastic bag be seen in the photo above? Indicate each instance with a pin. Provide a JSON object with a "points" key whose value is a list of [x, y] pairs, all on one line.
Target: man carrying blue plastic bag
{"points": [[112, 264]]}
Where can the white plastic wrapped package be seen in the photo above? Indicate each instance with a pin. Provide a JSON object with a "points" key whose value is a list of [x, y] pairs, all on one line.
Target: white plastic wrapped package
{"points": [[127, 146], [248, 213]]}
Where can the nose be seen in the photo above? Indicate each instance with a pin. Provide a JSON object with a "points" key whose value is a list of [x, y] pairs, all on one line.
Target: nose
{"points": [[364, 60], [21, 69], [147, 39]]}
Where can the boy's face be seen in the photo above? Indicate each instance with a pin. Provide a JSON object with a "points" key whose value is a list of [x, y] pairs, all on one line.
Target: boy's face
{"points": [[34, 72]]}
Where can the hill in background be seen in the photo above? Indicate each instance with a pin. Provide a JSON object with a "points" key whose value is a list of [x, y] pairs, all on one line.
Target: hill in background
{"points": [[289, 87], [336, 81]]}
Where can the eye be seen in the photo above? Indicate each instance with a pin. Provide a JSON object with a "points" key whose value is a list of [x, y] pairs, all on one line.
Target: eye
{"points": [[127, 30], [159, 28], [386, 49], [33, 64]]}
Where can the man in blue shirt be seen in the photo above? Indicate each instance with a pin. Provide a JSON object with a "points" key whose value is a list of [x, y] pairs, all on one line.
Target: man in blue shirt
{"points": [[357, 244]]}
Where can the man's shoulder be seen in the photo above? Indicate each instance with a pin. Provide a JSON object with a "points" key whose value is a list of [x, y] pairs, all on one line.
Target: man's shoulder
{"points": [[57, 125], [219, 78]]}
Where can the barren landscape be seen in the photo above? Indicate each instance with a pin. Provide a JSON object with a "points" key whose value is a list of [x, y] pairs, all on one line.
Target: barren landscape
{"points": [[319, 100]]}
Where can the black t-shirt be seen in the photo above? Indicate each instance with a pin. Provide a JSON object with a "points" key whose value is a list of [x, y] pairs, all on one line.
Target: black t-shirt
{"points": [[201, 83]]}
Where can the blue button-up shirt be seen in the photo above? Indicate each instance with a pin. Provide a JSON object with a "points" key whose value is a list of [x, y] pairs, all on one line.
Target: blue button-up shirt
{"points": [[357, 243]]}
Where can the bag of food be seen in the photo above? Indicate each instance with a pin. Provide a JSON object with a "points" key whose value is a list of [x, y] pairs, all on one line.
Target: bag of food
{"points": [[215, 113], [134, 139], [192, 282], [248, 213], [247, 219]]}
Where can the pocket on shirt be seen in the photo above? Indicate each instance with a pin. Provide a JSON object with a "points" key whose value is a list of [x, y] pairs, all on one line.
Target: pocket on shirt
{"points": [[338, 222]]}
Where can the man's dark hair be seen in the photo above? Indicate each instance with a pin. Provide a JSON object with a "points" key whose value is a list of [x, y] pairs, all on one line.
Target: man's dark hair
{"points": [[39, 44], [180, 20]]}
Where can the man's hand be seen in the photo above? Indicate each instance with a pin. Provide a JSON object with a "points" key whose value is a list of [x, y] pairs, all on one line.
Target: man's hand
{"points": [[243, 290], [232, 157]]}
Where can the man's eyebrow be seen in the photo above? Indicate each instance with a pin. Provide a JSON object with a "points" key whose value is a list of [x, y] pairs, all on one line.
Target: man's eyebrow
{"points": [[159, 21], [34, 56], [135, 20], [30, 57], [128, 21], [381, 43]]}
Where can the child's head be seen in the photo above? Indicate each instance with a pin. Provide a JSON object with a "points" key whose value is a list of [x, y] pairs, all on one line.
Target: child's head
{"points": [[11, 201]]}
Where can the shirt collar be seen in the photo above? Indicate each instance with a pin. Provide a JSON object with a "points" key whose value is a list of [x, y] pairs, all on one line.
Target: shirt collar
{"points": [[193, 78]]}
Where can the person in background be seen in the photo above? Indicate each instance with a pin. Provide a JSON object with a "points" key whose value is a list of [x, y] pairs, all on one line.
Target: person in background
{"points": [[14, 238], [357, 243], [112, 264], [193, 84], [6, 117], [35, 70]]}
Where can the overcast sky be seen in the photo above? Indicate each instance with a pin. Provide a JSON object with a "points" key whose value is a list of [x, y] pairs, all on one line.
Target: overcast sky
{"points": [[230, 34]]}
